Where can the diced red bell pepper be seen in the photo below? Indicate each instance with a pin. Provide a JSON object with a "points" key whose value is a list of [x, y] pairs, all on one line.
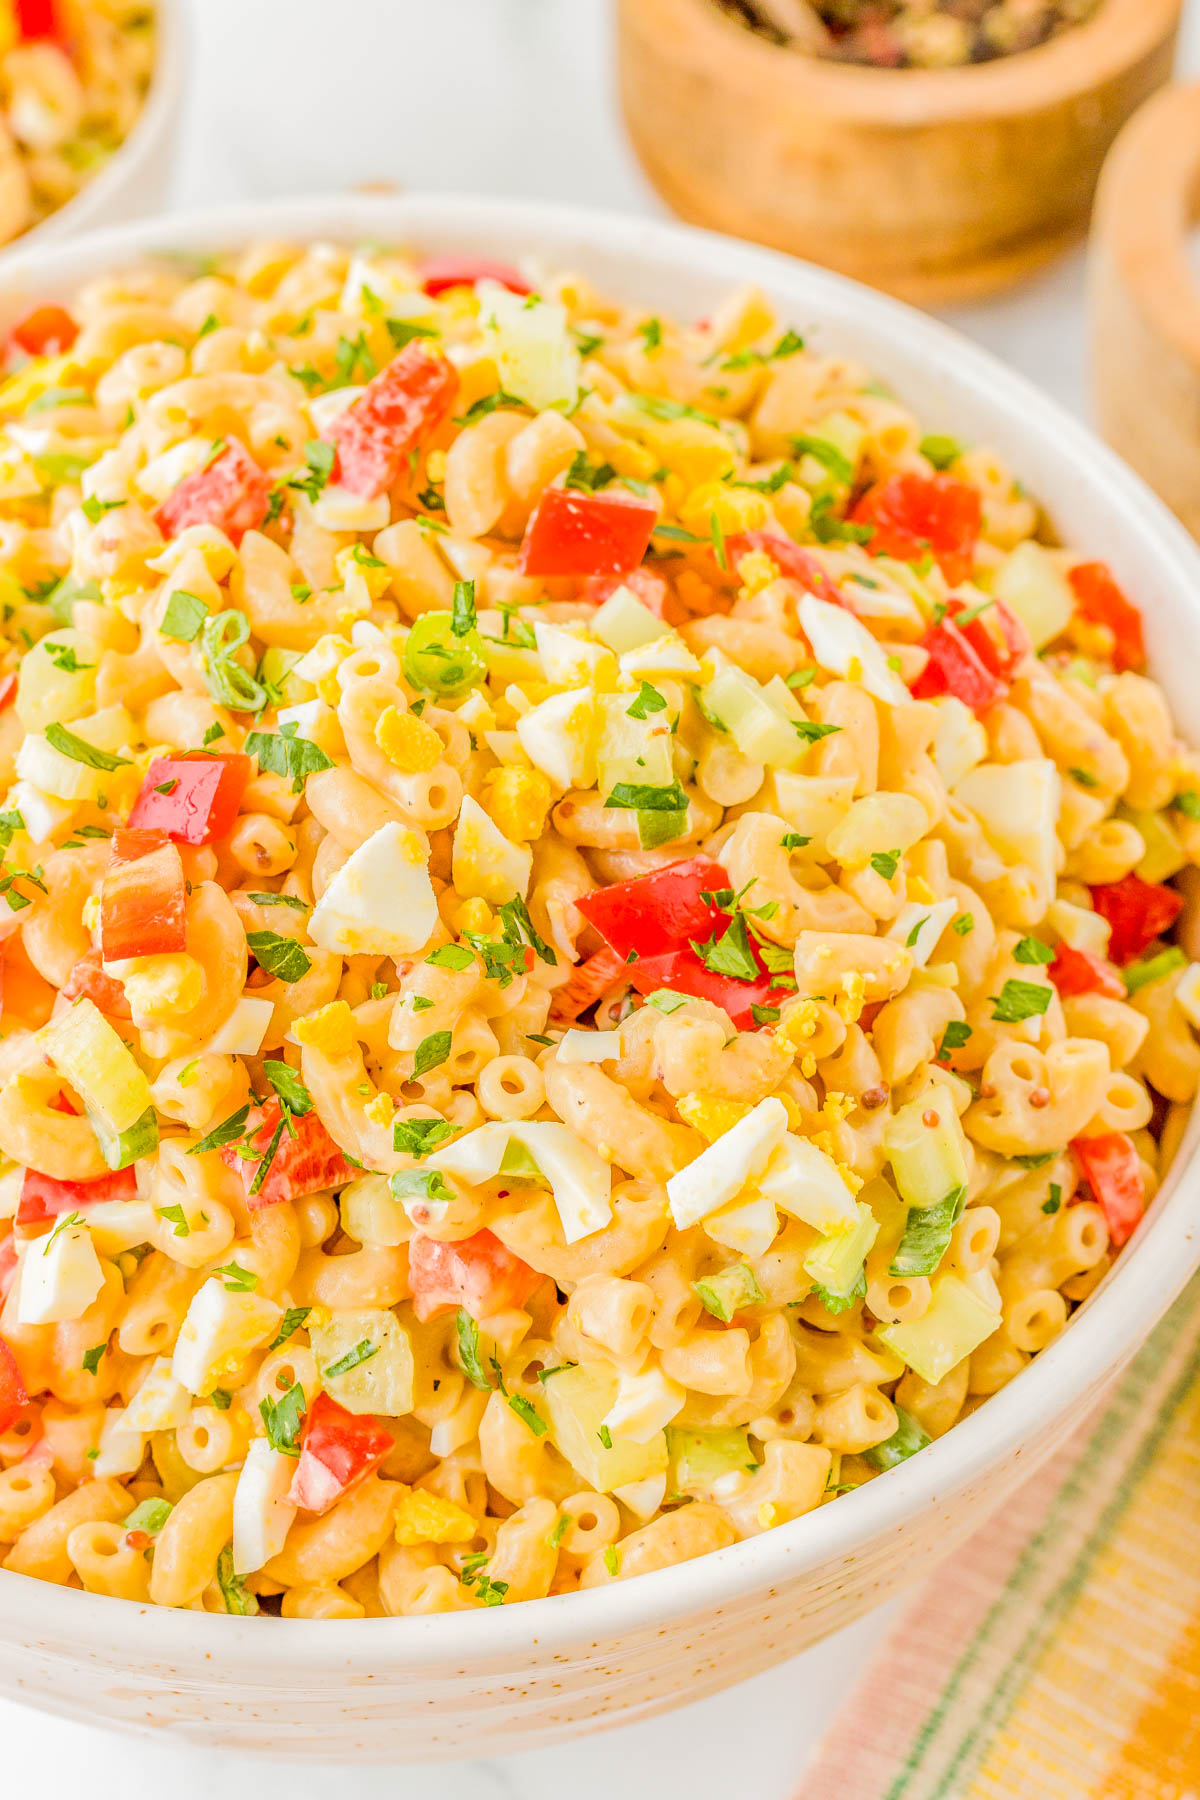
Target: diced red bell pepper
{"points": [[1112, 1170], [790, 558], [956, 667], [686, 973], [8, 691], [1137, 911], [39, 19], [915, 514], [657, 918], [573, 533], [46, 331], [650, 589], [401, 405], [43, 1198], [88, 980], [307, 1162], [13, 1396], [1101, 602], [8, 1265], [338, 1448], [142, 897], [477, 1273], [588, 982], [1075, 971], [994, 632], [200, 804], [659, 913], [437, 273], [232, 492]]}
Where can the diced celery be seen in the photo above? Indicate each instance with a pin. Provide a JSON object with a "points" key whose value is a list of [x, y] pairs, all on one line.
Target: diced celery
{"points": [[956, 1323], [536, 355], [507, 663], [624, 623], [577, 1401], [905, 1441], [728, 1291], [758, 728], [927, 1233], [929, 1161], [655, 828], [1031, 585], [120, 1148], [1164, 853], [57, 679], [633, 750], [85, 1049], [699, 1458], [519, 1161], [365, 1359], [843, 432], [275, 673], [835, 1261]]}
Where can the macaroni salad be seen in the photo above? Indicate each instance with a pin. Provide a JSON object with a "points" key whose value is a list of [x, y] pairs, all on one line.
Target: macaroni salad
{"points": [[73, 76], [585, 923]]}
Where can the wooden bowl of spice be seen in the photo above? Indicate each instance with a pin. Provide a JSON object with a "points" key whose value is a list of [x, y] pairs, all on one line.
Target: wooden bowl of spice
{"points": [[939, 184], [1143, 302]]}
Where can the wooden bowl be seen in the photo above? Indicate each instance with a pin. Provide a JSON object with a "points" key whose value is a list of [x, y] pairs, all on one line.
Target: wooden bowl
{"points": [[938, 185], [1143, 302]]}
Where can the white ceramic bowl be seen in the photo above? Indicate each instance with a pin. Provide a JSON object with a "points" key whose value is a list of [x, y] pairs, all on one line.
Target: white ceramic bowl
{"points": [[133, 182], [504, 1678]]}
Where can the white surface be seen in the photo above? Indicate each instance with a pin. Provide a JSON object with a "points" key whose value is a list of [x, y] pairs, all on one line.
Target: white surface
{"points": [[506, 97]]}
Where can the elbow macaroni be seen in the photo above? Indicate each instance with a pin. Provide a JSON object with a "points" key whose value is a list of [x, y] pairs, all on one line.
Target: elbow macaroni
{"points": [[615, 1265]]}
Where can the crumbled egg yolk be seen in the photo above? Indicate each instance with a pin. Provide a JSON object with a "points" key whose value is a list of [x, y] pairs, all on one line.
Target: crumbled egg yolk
{"points": [[408, 742], [757, 571], [711, 1117], [435, 466], [849, 1002], [920, 891], [798, 1026], [423, 1518], [734, 509], [330, 1029], [158, 986], [380, 1110], [519, 801], [474, 915]]}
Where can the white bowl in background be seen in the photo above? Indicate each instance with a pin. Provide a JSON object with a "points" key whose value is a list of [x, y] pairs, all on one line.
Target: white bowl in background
{"points": [[133, 182], [504, 1678]]}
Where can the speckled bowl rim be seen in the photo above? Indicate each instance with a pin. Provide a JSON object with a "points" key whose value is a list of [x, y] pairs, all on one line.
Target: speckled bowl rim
{"points": [[1126, 523]]}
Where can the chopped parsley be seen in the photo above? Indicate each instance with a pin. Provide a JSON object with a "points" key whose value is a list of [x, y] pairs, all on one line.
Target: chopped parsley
{"points": [[67, 744], [431, 1053], [294, 1319], [1020, 1000], [1032, 950], [362, 1352], [282, 957], [282, 1420], [886, 862], [283, 753]]}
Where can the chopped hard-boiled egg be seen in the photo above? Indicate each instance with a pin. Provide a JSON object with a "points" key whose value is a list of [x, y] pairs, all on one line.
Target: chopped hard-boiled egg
{"points": [[262, 1512], [380, 902], [721, 1171], [747, 1224], [44, 814], [558, 737], [843, 645], [580, 1180], [570, 660], [589, 1046], [245, 1028], [919, 927], [644, 1404], [424, 1518], [160, 1403], [803, 1181], [220, 1327], [338, 509], [122, 1445], [60, 1275], [485, 864]]}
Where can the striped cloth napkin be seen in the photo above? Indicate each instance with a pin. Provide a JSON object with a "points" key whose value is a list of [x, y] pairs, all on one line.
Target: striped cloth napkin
{"points": [[1057, 1656]]}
